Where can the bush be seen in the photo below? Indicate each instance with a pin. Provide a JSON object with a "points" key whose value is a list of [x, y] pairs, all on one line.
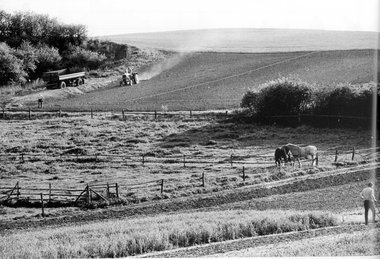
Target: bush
{"points": [[282, 96], [291, 97], [11, 67], [344, 100], [79, 57]]}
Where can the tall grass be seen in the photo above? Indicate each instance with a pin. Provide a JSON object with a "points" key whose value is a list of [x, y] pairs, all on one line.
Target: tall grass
{"points": [[120, 238], [359, 243]]}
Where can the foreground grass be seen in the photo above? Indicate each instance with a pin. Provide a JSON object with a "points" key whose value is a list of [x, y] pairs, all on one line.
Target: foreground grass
{"points": [[136, 236], [359, 243]]}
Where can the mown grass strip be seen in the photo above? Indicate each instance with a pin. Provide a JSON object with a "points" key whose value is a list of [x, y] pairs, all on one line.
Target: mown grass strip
{"points": [[119, 238]]}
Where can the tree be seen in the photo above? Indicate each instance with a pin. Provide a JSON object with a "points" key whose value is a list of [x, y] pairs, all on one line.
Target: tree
{"points": [[11, 67], [79, 57], [27, 53], [48, 59]]}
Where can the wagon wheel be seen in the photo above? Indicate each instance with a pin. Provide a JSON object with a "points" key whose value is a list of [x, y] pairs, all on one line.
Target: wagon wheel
{"points": [[62, 85], [80, 81]]}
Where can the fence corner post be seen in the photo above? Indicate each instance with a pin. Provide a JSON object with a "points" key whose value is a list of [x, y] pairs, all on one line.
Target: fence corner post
{"points": [[162, 186], [353, 153], [117, 190], [42, 205]]}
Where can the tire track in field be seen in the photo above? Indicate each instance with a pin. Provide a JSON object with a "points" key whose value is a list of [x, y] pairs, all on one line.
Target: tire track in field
{"points": [[223, 78]]}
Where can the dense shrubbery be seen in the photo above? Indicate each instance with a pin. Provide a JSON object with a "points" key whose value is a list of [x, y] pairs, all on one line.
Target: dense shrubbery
{"points": [[282, 96], [288, 96], [31, 44]]}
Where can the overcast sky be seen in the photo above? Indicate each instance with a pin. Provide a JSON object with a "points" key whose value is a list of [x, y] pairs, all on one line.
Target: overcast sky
{"points": [[109, 17]]}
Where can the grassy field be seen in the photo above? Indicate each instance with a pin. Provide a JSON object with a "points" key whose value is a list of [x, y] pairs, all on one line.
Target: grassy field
{"points": [[137, 236], [250, 40], [207, 145], [211, 80]]}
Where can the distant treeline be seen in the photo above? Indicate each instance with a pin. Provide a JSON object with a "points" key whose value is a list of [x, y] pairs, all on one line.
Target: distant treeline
{"points": [[32, 43], [286, 98]]}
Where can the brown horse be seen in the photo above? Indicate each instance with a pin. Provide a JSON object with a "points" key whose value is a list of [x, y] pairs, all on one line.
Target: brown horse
{"points": [[302, 152], [280, 155]]}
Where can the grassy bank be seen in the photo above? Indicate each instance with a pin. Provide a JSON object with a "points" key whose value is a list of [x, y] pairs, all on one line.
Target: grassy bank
{"points": [[136, 236]]}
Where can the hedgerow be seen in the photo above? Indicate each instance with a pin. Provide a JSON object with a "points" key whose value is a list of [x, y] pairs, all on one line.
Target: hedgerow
{"points": [[288, 96]]}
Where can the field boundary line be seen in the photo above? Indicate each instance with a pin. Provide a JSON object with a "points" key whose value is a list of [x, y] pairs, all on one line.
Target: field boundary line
{"points": [[221, 79]]}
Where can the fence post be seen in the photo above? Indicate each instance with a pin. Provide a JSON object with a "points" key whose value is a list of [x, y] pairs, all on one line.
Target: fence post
{"points": [[243, 174], [353, 153], [22, 158], [49, 192], [203, 179], [122, 111], [155, 114], [59, 113], [162, 185], [29, 113], [108, 190], [184, 160], [117, 190], [18, 191], [231, 160], [226, 114], [42, 205], [92, 114], [143, 159], [88, 194], [336, 155], [316, 160], [191, 114], [3, 113]]}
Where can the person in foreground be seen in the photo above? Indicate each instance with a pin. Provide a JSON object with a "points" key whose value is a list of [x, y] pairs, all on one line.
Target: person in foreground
{"points": [[368, 195]]}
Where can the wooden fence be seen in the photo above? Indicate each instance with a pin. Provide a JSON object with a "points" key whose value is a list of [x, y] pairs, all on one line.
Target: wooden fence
{"points": [[288, 120], [51, 196], [30, 113], [184, 160]]}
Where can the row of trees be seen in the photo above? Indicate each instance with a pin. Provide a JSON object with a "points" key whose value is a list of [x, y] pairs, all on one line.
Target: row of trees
{"points": [[287, 96], [31, 44]]}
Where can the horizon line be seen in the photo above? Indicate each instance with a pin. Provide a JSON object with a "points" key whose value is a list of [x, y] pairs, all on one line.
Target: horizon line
{"points": [[236, 28]]}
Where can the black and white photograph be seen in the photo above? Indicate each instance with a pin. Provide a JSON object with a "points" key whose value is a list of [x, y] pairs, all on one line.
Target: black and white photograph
{"points": [[182, 129]]}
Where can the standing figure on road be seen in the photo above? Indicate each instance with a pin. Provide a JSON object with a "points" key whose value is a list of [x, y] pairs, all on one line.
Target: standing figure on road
{"points": [[368, 195]]}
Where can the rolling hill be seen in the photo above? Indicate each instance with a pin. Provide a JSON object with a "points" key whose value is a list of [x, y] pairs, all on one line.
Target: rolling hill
{"points": [[216, 80], [250, 40]]}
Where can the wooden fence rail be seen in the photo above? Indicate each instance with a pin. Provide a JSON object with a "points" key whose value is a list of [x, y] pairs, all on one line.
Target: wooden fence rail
{"points": [[17, 192], [184, 160]]}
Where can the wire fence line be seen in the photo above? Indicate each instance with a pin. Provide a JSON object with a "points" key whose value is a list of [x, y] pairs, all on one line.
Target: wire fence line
{"points": [[29, 113], [184, 159]]}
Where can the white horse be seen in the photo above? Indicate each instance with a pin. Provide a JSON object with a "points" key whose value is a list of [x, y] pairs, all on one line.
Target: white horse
{"points": [[302, 152]]}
